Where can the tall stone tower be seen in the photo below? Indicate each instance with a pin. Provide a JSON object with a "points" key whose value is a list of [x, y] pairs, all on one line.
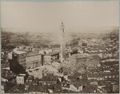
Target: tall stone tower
{"points": [[62, 45]]}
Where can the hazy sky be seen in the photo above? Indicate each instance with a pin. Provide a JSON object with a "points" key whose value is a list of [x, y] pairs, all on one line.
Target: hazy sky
{"points": [[78, 16]]}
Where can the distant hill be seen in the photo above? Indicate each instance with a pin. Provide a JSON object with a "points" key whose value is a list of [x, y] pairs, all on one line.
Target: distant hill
{"points": [[28, 38]]}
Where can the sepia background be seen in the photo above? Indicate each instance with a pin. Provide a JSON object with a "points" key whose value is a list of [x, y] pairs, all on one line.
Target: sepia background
{"points": [[60, 46]]}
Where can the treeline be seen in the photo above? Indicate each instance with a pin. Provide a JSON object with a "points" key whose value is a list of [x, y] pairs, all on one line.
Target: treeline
{"points": [[10, 40]]}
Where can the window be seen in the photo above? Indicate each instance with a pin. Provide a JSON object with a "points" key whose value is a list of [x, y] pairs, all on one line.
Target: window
{"points": [[109, 76], [117, 76], [105, 76], [35, 64]]}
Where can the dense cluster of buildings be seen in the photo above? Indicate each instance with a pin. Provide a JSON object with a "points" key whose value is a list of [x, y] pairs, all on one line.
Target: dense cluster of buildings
{"points": [[89, 66]]}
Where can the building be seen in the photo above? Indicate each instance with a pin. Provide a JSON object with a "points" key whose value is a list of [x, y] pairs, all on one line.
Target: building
{"points": [[110, 74], [21, 55], [20, 79], [33, 60], [47, 59], [110, 69]]}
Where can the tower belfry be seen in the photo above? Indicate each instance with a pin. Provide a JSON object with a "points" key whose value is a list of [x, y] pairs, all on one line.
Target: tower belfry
{"points": [[62, 26]]}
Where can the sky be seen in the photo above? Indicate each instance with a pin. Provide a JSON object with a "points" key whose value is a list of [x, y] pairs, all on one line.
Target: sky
{"points": [[77, 16]]}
